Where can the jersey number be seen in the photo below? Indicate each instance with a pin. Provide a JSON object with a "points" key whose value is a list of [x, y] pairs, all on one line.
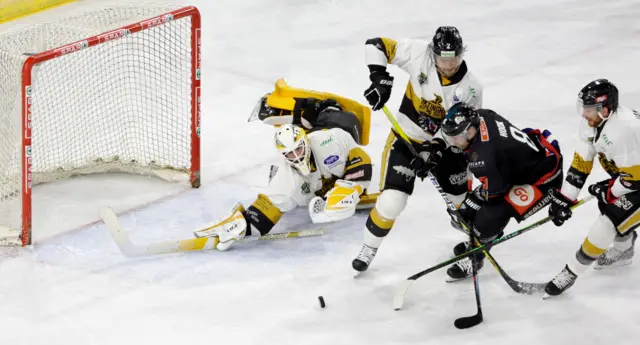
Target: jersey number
{"points": [[522, 137]]}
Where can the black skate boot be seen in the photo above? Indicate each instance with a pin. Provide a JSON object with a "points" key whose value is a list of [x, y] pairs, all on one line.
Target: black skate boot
{"points": [[615, 257], [560, 283], [363, 260], [462, 269]]}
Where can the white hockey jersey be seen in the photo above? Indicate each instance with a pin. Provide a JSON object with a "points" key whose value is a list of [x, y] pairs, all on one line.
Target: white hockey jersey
{"points": [[428, 95], [617, 144], [335, 156]]}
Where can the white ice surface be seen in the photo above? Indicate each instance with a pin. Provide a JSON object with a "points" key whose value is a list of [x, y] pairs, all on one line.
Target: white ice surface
{"points": [[74, 287]]}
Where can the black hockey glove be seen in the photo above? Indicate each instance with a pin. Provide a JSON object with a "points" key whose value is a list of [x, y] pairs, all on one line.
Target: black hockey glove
{"points": [[602, 191], [380, 90], [430, 153], [472, 204], [560, 207]]}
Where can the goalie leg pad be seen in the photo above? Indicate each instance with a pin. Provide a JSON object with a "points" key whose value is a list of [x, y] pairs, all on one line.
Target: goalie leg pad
{"points": [[262, 215]]}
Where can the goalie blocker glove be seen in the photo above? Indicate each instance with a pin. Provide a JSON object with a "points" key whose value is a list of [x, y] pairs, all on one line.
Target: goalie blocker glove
{"points": [[380, 90]]}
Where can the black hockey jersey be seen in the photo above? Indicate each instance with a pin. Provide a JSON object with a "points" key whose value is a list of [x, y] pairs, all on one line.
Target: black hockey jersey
{"points": [[501, 155]]}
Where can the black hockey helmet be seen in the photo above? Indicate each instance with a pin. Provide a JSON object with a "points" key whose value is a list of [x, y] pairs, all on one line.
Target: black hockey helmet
{"points": [[447, 42], [599, 93], [459, 117]]}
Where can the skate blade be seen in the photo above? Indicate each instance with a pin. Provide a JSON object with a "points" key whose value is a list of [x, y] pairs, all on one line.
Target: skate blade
{"points": [[620, 263], [546, 296], [449, 279], [357, 273]]}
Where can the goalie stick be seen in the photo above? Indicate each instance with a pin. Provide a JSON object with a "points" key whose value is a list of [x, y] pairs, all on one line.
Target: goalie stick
{"points": [[129, 249]]}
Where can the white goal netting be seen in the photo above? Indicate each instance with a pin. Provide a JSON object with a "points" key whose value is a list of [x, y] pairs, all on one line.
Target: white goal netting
{"points": [[120, 101]]}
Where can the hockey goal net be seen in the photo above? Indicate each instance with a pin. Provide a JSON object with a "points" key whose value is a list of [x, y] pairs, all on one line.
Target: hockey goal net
{"points": [[115, 89]]}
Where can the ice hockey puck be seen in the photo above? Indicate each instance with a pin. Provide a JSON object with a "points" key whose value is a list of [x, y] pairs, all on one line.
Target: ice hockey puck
{"points": [[321, 299]]}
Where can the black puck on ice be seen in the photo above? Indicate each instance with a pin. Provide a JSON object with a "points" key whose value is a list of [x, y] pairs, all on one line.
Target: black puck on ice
{"points": [[321, 299]]}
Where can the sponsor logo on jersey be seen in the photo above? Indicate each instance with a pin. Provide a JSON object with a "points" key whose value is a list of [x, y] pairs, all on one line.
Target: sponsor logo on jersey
{"points": [[354, 175], [331, 160], [522, 197], [326, 142], [502, 129], [539, 205], [476, 164], [355, 160], [484, 133], [623, 203], [606, 139], [460, 178], [408, 173]]}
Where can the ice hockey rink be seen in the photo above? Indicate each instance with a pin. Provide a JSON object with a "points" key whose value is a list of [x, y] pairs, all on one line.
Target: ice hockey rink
{"points": [[75, 287]]}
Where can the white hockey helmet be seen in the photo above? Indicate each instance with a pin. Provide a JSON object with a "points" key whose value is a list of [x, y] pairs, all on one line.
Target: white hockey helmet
{"points": [[294, 145]]}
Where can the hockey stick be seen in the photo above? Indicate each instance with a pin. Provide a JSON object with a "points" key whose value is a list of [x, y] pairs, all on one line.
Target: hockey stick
{"points": [[468, 321], [398, 300], [129, 249]]}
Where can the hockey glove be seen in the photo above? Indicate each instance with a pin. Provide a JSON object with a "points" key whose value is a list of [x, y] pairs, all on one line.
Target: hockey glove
{"points": [[472, 204], [380, 90], [430, 154], [560, 207], [339, 203], [602, 191]]}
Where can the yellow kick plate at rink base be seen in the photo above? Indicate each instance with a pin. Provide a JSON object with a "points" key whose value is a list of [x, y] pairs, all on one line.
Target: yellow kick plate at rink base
{"points": [[13, 9]]}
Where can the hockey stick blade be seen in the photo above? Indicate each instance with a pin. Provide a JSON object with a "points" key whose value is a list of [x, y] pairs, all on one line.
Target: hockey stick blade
{"points": [[398, 299], [468, 321], [404, 288], [129, 249]]}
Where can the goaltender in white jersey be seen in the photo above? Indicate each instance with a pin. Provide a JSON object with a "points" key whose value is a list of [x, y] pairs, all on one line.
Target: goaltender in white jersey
{"points": [[324, 170]]}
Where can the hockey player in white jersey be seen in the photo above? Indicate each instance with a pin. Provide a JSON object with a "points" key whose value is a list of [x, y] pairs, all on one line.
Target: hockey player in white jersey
{"points": [[612, 132], [438, 78], [323, 169]]}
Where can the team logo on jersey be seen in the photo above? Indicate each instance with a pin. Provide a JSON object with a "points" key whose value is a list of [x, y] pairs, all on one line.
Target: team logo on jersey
{"points": [[484, 132], [432, 108], [428, 124]]}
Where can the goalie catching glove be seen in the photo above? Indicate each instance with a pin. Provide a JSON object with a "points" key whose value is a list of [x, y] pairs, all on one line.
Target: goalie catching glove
{"points": [[339, 203]]}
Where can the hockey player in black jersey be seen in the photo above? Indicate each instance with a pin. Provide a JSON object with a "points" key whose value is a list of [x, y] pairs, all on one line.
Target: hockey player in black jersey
{"points": [[516, 168]]}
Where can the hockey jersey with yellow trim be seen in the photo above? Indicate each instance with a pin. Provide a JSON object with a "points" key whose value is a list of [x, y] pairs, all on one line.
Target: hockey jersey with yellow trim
{"points": [[617, 145], [428, 95], [335, 156]]}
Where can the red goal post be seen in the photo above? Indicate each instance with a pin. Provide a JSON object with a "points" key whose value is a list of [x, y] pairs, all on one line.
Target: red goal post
{"points": [[126, 100]]}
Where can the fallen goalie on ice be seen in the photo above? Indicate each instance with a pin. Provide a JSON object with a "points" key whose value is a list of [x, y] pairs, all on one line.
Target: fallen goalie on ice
{"points": [[324, 168]]}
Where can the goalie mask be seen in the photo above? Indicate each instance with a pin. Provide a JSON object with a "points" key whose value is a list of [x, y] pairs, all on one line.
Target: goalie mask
{"points": [[293, 143]]}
